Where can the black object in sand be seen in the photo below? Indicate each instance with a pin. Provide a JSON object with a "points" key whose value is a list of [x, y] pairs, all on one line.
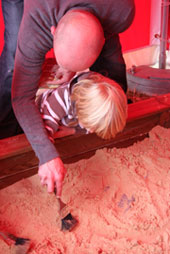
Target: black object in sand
{"points": [[68, 222]]}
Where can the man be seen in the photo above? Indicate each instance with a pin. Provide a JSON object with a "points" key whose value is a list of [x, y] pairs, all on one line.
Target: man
{"points": [[83, 34]]}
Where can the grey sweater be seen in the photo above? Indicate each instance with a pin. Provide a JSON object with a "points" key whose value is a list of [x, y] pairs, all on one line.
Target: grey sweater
{"points": [[35, 40]]}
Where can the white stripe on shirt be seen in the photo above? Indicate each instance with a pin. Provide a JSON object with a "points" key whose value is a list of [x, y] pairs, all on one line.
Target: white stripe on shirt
{"points": [[66, 98], [52, 113], [50, 118], [60, 101]]}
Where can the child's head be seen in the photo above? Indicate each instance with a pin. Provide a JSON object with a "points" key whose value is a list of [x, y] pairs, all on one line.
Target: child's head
{"points": [[101, 105]]}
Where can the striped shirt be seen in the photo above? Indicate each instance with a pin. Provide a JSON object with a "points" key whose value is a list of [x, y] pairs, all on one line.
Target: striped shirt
{"points": [[56, 107]]}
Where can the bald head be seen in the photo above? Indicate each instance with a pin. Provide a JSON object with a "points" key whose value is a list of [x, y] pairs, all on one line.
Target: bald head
{"points": [[78, 40]]}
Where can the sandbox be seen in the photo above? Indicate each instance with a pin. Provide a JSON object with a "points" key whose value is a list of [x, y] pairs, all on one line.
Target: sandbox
{"points": [[121, 198]]}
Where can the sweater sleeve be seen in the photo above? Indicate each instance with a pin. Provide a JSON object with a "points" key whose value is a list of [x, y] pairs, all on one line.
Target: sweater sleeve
{"points": [[33, 43]]}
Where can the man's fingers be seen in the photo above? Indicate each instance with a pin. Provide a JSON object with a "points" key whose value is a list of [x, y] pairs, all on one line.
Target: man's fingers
{"points": [[43, 181], [59, 188], [50, 185]]}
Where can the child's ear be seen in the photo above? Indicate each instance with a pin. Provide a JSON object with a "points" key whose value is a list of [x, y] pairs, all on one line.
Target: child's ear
{"points": [[53, 28]]}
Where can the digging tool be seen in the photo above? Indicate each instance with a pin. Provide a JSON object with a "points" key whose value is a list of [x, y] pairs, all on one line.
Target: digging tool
{"points": [[20, 245], [68, 222]]}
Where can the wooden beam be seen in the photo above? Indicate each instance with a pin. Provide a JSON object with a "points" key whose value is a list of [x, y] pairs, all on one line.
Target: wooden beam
{"points": [[18, 160]]}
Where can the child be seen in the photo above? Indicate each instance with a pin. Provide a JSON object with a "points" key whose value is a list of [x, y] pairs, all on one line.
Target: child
{"points": [[92, 101]]}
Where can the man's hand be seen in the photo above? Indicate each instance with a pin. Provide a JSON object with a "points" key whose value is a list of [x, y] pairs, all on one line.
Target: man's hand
{"points": [[52, 174], [62, 76]]}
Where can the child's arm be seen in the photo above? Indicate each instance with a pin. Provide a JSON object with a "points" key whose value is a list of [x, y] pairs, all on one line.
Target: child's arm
{"points": [[53, 107], [62, 75], [64, 131]]}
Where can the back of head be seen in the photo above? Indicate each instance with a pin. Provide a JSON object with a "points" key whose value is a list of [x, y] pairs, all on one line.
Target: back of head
{"points": [[101, 105], [78, 40]]}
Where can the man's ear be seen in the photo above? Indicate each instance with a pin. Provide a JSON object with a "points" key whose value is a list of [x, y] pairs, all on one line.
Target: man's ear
{"points": [[53, 28]]}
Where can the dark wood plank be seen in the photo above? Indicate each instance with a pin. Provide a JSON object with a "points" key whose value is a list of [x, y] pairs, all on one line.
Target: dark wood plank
{"points": [[17, 159]]}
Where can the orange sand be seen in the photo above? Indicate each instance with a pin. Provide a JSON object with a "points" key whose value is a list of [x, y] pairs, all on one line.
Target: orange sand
{"points": [[121, 198]]}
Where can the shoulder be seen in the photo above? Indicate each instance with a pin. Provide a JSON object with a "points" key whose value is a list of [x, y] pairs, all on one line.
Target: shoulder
{"points": [[61, 94]]}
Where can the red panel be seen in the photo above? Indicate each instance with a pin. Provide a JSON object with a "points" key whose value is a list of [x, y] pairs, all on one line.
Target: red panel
{"points": [[138, 35]]}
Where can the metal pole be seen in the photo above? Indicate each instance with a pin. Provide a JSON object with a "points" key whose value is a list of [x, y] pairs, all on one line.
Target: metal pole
{"points": [[164, 33]]}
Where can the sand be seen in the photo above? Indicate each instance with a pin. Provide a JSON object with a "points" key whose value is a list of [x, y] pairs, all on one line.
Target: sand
{"points": [[121, 198]]}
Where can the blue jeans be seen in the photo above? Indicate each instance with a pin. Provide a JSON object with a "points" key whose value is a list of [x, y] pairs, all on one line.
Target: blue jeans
{"points": [[12, 12]]}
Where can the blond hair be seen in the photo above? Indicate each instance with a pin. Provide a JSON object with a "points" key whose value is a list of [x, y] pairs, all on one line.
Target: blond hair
{"points": [[101, 105]]}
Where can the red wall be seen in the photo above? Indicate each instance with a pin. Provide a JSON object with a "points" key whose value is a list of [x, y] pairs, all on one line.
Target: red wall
{"points": [[1, 29], [136, 36]]}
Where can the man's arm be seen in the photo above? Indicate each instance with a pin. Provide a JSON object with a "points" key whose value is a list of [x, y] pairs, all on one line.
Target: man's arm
{"points": [[33, 42], [25, 84], [110, 63]]}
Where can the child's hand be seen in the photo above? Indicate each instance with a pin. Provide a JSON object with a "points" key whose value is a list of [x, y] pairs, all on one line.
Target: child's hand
{"points": [[52, 174], [62, 76], [64, 131]]}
